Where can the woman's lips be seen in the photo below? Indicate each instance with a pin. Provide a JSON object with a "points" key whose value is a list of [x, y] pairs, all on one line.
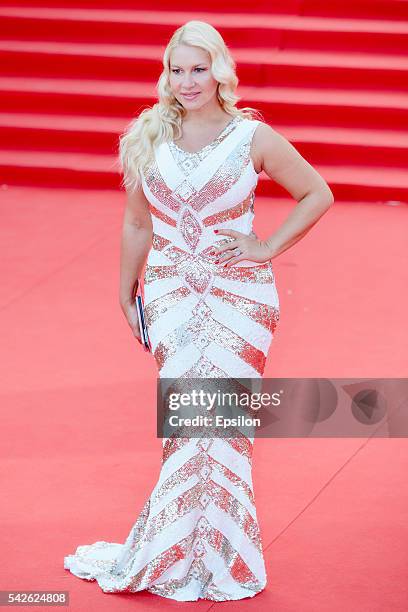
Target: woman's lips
{"points": [[191, 96]]}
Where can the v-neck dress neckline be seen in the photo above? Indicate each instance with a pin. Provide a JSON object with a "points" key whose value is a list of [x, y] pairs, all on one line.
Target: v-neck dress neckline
{"points": [[198, 165], [210, 144]]}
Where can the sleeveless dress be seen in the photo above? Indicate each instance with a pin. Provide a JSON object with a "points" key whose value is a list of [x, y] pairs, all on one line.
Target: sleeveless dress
{"points": [[197, 536]]}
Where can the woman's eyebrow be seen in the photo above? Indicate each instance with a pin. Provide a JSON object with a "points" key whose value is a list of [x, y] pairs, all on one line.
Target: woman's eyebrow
{"points": [[176, 66]]}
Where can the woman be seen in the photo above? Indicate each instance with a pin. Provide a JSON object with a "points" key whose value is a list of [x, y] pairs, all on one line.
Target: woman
{"points": [[191, 165]]}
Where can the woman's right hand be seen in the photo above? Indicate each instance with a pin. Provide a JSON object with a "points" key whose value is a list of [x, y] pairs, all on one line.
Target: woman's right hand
{"points": [[130, 312]]}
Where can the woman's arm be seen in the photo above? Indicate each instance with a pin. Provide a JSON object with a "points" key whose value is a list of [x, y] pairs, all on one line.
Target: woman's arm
{"points": [[271, 152], [137, 233], [284, 164]]}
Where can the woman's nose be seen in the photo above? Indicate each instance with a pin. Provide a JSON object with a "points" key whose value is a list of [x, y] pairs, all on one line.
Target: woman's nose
{"points": [[188, 81]]}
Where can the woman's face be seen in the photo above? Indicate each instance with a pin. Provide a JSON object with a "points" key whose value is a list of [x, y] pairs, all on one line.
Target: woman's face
{"points": [[190, 73]]}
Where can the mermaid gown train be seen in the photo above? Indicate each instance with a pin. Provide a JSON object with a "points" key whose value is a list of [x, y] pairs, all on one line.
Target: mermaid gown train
{"points": [[197, 536]]}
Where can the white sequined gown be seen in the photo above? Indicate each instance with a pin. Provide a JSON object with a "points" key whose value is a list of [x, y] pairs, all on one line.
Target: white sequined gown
{"points": [[197, 535]]}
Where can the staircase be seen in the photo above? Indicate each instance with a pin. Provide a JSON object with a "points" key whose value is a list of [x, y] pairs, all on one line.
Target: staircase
{"points": [[332, 77]]}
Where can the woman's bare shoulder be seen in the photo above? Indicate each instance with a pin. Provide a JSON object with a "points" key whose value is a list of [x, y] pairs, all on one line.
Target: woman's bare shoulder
{"points": [[270, 147], [263, 136], [283, 163]]}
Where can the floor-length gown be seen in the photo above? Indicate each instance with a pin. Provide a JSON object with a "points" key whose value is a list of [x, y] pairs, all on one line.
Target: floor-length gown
{"points": [[197, 535]]}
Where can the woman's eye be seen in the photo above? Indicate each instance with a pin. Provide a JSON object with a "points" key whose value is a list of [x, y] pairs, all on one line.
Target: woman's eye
{"points": [[176, 70]]}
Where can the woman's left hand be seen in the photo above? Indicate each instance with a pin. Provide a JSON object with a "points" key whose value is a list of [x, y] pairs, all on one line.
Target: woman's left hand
{"points": [[243, 247]]}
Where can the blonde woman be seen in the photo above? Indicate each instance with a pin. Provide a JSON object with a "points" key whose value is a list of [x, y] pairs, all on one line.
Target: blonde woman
{"points": [[191, 165]]}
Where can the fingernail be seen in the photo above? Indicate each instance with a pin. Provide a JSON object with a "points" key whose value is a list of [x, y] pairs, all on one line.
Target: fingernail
{"points": [[216, 231], [216, 261]]}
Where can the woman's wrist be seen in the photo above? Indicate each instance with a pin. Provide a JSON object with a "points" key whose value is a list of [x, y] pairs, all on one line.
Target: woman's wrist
{"points": [[271, 249], [126, 300], [128, 295]]}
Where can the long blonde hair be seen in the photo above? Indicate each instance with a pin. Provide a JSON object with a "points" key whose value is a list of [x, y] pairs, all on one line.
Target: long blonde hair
{"points": [[162, 121]]}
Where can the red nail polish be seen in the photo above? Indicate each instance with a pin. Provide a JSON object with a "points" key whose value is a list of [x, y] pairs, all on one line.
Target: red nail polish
{"points": [[216, 261], [216, 231]]}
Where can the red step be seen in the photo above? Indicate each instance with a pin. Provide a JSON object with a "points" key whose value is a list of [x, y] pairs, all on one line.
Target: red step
{"points": [[238, 29], [100, 135], [334, 86], [289, 106], [259, 67], [365, 9], [59, 169], [62, 169]]}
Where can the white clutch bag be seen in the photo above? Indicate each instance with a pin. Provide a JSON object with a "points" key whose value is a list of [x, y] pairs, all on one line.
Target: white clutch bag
{"points": [[142, 320]]}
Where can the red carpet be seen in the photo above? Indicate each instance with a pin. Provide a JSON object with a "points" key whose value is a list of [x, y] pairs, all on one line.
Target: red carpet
{"points": [[79, 450], [79, 447]]}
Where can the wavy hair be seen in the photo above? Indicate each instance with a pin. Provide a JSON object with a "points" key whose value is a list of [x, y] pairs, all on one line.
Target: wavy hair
{"points": [[162, 121]]}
